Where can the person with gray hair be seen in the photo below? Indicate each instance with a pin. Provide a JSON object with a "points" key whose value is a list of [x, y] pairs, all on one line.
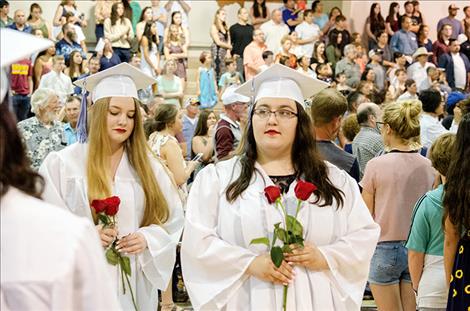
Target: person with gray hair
{"points": [[368, 142], [349, 67], [42, 133]]}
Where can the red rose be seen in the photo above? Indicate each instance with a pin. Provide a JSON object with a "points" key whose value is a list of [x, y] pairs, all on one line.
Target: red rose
{"points": [[304, 189], [98, 205], [112, 205], [272, 193]]}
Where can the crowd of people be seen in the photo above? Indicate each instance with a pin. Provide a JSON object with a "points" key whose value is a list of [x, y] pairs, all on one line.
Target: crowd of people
{"points": [[379, 121]]}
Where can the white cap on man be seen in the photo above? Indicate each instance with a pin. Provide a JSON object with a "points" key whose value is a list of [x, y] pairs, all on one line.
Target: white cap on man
{"points": [[231, 97]]}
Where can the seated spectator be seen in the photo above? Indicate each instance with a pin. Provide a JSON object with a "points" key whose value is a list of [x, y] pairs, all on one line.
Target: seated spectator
{"points": [[375, 64], [76, 67], [341, 85], [206, 83], [93, 67], [349, 129], [404, 40], [349, 67], [399, 62], [190, 119], [42, 133], [56, 80], [230, 77], [319, 55], [392, 24], [451, 20], [355, 99], [433, 107], [72, 111], [308, 32], [259, 13], [174, 48], [273, 31], [411, 91], [203, 139], [303, 63], [340, 28], [425, 242], [366, 87], [327, 112], [118, 30], [324, 73], [454, 105], [146, 16], [183, 31], [397, 88], [102, 12], [21, 86], [169, 85], [391, 185], [253, 55], [368, 142], [457, 67], [36, 21], [432, 80], [43, 64], [418, 70], [375, 24], [149, 49], [19, 22], [382, 44], [361, 56], [423, 38], [268, 58], [333, 50], [5, 20], [69, 43], [165, 145], [109, 58], [441, 45], [285, 51], [290, 15], [228, 131]]}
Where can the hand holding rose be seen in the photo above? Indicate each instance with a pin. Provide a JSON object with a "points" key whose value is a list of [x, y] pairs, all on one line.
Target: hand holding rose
{"points": [[308, 256]]}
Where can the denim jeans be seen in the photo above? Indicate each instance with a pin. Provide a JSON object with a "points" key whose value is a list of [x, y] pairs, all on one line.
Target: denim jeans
{"points": [[389, 264], [21, 106]]}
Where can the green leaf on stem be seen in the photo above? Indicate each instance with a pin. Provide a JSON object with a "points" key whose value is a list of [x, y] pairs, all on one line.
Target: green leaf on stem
{"points": [[264, 241], [104, 219], [281, 234], [277, 256], [126, 265], [294, 226], [286, 249], [111, 256]]}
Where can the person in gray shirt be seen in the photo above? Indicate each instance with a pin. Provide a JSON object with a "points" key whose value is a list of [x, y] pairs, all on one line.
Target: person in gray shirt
{"points": [[349, 67]]}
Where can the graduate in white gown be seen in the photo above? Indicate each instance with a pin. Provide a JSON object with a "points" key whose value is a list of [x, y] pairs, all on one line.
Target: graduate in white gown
{"points": [[226, 209], [50, 259], [116, 161]]}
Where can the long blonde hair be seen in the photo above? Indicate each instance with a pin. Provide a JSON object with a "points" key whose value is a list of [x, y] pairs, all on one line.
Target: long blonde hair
{"points": [[99, 148]]}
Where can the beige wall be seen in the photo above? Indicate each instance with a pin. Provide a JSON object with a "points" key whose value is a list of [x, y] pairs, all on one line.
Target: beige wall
{"points": [[202, 13]]}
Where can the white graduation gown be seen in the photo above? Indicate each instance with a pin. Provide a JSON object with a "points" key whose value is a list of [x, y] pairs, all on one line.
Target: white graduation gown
{"points": [[66, 185], [216, 248], [50, 259]]}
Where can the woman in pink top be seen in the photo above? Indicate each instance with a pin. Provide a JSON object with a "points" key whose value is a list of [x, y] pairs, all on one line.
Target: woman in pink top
{"points": [[392, 184]]}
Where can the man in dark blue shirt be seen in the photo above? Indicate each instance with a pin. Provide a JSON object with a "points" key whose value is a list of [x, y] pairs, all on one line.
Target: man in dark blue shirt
{"points": [[290, 15], [20, 23], [68, 44]]}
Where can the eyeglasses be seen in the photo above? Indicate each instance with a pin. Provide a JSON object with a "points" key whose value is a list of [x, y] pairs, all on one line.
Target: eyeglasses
{"points": [[379, 125], [279, 114]]}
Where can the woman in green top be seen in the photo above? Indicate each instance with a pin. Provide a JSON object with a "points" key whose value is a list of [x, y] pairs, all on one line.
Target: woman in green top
{"points": [[333, 50], [169, 85], [36, 21]]}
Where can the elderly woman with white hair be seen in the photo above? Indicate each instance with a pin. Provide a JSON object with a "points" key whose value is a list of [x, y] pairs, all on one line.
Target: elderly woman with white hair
{"points": [[42, 133]]}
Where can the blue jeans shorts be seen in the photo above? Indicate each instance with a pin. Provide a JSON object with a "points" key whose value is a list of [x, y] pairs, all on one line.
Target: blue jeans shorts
{"points": [[389, 264]]}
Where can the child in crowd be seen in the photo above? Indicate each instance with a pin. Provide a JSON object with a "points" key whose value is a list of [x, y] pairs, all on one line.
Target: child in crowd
{"points": [[341, 85], [324, 73], [231, 77], [268, 57], [206, 82]]}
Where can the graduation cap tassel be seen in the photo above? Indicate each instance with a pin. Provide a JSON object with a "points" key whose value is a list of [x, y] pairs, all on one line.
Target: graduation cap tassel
{"points": [[82, 134]]}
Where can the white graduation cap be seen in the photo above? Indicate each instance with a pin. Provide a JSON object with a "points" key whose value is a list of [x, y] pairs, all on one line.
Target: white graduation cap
{"points": [[16, 45], [122, 80], [279, 81], [230, 96]]}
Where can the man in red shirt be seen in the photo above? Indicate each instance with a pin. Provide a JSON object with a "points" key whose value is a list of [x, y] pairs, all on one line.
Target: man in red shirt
{"points": [[21, 83]]}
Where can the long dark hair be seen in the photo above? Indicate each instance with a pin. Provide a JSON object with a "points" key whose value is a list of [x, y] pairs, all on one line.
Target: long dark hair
{"points": [[165, 115], [114, 14], [377, 23], [151, 38], [256, 11], [315, 56], [31, 8], [333, 39], [127, 9], [16, 170], [391, 12], [457, 188], [314, 5], [201, 127], [308, 163], [142, 15]]}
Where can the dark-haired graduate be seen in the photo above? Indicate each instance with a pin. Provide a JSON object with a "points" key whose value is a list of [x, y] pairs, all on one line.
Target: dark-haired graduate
{"points": [[227, 209]]}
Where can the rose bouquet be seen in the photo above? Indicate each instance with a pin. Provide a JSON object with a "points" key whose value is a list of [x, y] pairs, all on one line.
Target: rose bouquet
{"points": [[106, 211], [290, 230]]}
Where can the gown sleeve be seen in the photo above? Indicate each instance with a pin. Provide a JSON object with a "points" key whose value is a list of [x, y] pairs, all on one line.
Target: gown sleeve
{"points": [[51, 170], [349, 256], [213, 269], [158, 260]]}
